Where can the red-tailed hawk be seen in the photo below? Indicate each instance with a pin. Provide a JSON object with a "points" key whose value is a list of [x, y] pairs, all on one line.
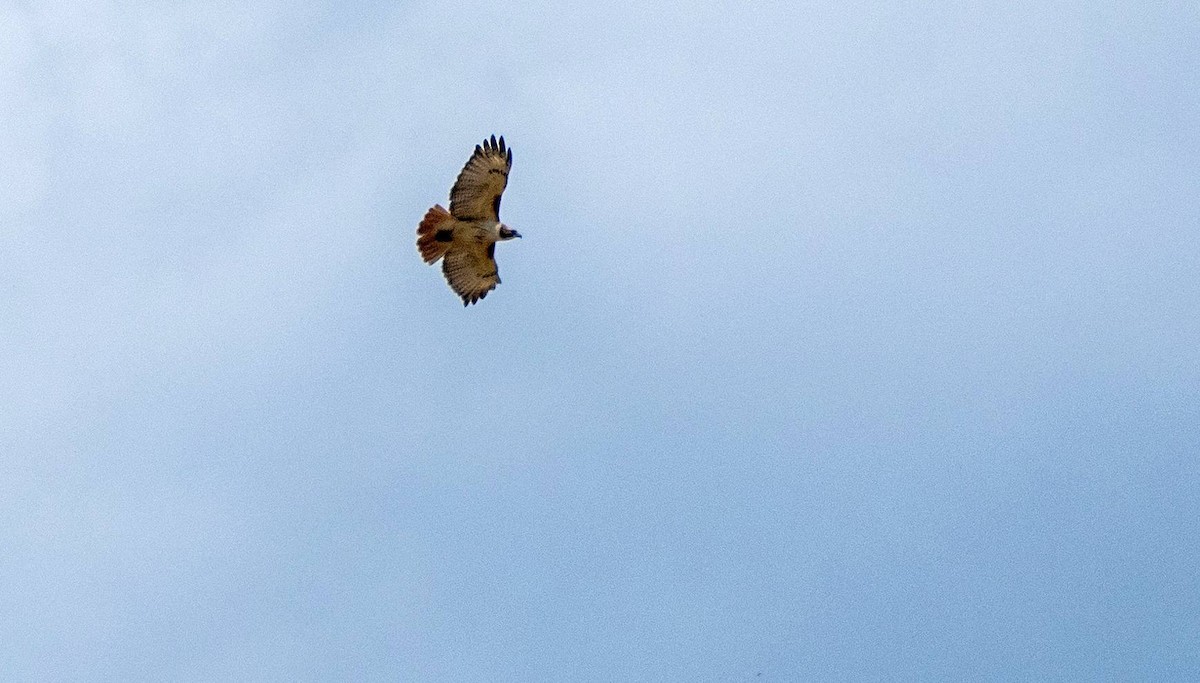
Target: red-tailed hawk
{"points": [[465, 237]]}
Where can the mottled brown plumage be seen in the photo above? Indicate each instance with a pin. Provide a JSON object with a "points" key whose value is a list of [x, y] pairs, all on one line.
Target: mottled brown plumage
{"points": [[465, 236]]}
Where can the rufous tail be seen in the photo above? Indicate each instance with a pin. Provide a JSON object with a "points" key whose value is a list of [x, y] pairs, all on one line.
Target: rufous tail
{"points": [[435, 234]]}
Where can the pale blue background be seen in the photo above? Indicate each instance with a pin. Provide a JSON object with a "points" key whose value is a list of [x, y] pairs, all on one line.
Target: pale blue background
{"points": [[846, 341]]}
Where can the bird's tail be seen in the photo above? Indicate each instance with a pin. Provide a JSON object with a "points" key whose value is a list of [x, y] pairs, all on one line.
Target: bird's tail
{"points": [[435, 234]]}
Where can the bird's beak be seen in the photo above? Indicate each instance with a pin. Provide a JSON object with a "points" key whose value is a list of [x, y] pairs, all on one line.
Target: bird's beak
{"points": [[516, 234]]}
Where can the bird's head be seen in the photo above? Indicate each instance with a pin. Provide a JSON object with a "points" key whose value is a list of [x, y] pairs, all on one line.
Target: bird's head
{"points": [[507, 233]]}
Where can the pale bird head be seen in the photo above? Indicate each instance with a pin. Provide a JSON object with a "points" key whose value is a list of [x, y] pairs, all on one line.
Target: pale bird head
{"points": [[507, 233]]}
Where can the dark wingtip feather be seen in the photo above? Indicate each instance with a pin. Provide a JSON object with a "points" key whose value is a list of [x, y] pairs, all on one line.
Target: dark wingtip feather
{"points": [[509, 157], [493, 141]]}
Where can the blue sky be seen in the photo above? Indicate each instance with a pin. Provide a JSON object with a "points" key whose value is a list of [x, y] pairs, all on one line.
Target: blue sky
{"points": [[846, 341]]}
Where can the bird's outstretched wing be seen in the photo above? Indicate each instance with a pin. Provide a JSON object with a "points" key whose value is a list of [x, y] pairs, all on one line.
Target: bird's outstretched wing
{"points": [[471, 270], [476, 193]]}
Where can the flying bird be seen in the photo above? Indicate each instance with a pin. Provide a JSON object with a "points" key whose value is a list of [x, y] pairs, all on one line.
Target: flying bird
{"points": [[465, 237]]}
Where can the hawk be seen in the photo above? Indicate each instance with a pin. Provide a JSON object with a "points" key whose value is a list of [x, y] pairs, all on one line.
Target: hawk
{"points": [[465, 237]]}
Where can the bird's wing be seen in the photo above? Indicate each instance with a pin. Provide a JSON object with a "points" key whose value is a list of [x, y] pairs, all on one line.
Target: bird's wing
{"points": [[476, 193], [471, 270]]}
